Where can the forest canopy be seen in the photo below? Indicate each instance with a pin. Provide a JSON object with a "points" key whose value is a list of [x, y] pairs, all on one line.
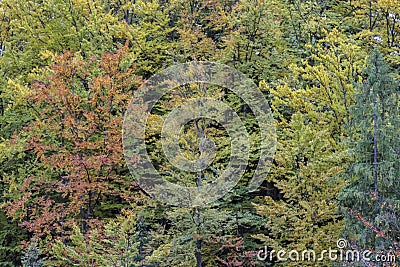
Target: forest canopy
{"points": [[329, 71]]}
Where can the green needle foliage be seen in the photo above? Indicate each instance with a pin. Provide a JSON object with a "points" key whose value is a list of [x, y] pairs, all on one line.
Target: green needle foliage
{"points": [[371, 200]]}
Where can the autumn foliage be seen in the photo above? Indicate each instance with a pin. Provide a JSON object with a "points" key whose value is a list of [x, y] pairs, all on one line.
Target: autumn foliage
{"points": [[68, 70], [76, 138]]}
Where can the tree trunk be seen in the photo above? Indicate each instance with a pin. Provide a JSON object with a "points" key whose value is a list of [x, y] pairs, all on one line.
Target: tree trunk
{"points": [[375, 171]]}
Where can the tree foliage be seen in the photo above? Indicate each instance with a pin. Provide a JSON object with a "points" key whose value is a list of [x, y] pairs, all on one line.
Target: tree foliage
{"points": [[371, 199], [68, 70]]}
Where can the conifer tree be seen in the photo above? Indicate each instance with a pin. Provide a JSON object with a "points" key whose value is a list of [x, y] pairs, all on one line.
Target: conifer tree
{"points": [[371, 200]]}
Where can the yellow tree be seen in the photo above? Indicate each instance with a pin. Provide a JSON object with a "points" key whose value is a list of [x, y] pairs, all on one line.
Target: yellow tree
{"points": [[375, 23], [311, 110]]}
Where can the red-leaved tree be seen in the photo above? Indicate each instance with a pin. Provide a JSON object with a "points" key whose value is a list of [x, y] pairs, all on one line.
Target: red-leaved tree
{"points": [[76, 140]]}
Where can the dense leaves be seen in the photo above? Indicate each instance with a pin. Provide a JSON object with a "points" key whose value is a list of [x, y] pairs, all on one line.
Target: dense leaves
{"points": [[68, 70]]}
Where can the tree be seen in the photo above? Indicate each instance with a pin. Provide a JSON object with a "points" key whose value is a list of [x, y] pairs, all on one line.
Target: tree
{"points": [[307, 21], [150, 29], [13, 165], [374, 23], [190, 228], [112, 245], [34, 30], [77, 143], [311, 111], [66, 78], [256, 43], [371, 200]]}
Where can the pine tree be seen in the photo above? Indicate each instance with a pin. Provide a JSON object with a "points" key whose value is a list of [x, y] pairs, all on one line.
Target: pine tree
{"points": [[371, 200]]}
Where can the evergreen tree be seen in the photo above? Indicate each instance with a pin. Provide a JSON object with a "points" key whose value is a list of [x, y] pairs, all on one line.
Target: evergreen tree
{"points": [[372, 198]]}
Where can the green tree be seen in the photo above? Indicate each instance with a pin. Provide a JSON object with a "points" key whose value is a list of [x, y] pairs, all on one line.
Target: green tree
{"points": [[256, 43], [150, 29], [34, 30], [371, 199]]}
